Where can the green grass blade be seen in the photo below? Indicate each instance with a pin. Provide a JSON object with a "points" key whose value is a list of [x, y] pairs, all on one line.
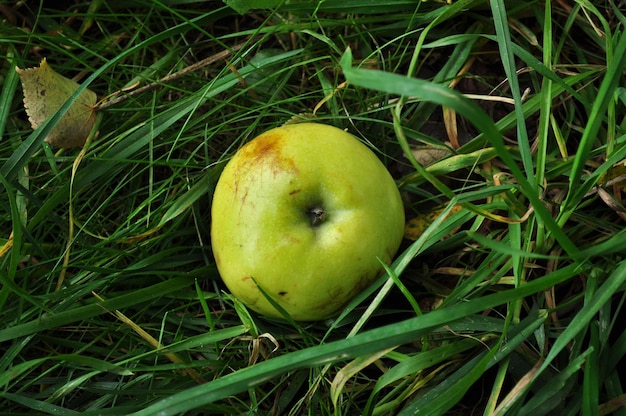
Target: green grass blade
{"points": [[84, 312], [9, 86], [503, 35], [441, 398], [580, 322], [606, 94]]}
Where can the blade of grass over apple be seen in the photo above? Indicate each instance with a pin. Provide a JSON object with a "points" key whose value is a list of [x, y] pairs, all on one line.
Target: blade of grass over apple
{"points": [[398, 84], [441, 227], [358, 345]]}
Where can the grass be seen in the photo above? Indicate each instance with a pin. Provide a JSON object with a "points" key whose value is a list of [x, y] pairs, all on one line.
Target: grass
{"points": [[507, 296]]}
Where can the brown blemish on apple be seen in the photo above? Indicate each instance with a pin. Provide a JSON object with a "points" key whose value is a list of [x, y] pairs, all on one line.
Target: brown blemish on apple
{"points": [[266, 151], [282, 293], [289, 239], [295, 191], [263, 154]]}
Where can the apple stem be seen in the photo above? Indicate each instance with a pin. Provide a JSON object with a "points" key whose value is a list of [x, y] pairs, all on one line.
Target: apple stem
{"points": [[317, 216]]}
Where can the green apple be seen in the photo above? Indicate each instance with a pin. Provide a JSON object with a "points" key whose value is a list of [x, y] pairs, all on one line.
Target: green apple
{"points": [[307, 213]]}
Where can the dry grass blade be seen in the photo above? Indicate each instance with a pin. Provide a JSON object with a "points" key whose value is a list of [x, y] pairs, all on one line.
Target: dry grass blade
{"points": [[153, 342], [123, 95]]}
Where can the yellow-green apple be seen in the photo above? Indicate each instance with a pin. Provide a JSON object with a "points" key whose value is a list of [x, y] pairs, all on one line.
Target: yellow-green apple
{"points": [[307, 213]]}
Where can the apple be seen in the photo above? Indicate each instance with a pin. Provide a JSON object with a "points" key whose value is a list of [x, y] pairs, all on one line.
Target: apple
{"points": [[307, 213]]}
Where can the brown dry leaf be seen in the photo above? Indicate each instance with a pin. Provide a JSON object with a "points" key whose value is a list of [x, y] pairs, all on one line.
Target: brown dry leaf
{"points": [[427, 155], [613, 187], [45, 91]]}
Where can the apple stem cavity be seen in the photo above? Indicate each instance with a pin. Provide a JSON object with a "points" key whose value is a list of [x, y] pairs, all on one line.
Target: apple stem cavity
{"points": [[317, 215]]}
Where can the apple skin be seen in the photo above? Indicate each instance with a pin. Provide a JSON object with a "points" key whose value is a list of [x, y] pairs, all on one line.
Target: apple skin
{"points": [[305, 211]]}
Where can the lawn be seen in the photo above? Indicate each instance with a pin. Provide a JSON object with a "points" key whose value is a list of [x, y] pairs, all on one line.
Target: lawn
{"points": [[502, 122]]}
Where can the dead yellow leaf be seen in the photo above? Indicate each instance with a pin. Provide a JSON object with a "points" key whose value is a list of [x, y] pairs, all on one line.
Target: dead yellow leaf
{"points": [[415, 227], [45, 91], [616, 175]]}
